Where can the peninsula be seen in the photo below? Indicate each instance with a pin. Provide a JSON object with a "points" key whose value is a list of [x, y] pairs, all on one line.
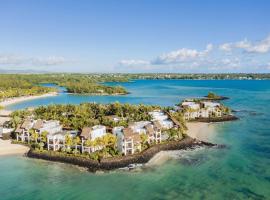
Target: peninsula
{"points": [[109, 136]]}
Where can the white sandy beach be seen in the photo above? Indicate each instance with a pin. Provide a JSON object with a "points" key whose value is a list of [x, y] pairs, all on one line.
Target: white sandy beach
{"points": [[10, 101], [200, 130], [6, 148]]}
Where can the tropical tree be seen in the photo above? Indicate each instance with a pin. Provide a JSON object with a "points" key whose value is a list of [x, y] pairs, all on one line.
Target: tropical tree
{"points": [[68, 140], [144, 139], [44, 136], [34, 135]]}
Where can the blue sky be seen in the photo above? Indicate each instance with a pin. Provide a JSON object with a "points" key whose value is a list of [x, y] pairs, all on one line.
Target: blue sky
{"points": [[135, 36]]}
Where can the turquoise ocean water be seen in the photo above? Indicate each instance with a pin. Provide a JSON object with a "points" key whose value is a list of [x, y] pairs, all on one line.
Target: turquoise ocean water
{"points": [[240, 171]]}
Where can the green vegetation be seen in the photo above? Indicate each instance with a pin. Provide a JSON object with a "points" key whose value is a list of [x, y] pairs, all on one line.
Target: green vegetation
{"points": [[93, 88], [16, 85], [88, 114], [212, 95]]}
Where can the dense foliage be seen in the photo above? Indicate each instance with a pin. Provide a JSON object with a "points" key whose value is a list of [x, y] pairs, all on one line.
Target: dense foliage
{"points": [[14, 86], [89, 114]]}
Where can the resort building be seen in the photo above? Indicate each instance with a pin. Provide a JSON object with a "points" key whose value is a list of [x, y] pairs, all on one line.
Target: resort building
{"points": [[129, 142], [139, 127], [22, 131], [56, 141], [162, 118], [205, 109], [154, 132], [51, 127], [4, 126], [92, 133]]}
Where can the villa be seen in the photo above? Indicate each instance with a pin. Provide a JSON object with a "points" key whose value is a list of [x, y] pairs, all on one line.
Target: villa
{"points": [[22, 131], [39, 126], [92, 133], [128, 141], [154, 132], [51, 127], [162, 118], [56, 141], [4, 128], [139, 127], [204, 109]]}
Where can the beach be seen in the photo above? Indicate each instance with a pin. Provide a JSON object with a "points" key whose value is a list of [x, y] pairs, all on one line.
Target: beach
{"points": [[14, 100], [7, 148], [200, 130]]}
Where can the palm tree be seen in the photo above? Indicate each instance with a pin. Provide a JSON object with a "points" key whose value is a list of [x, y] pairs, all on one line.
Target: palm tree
{"points": [[44, 136], [173, 134], [34, 135], [76, 141], [144, 139], [68, 140]]}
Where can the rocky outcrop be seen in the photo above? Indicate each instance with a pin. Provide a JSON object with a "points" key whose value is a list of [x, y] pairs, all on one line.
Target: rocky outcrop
{"points": [[123, 161], [218, 119]]}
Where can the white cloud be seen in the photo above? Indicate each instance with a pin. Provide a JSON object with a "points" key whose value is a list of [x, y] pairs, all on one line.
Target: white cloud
{"points": [[13, 59], [209, 48], [262, 46], [209, 59], [52, 60], [226, 47], [244, 44], [181, 55], [132, 62]]}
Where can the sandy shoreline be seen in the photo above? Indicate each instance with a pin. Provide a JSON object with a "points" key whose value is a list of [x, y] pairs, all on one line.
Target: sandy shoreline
{"points": [[199, 130], [7, 148], [14, 100]]}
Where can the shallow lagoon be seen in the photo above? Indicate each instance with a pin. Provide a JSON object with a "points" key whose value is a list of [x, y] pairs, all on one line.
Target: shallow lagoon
{"points": [[240, 171]]}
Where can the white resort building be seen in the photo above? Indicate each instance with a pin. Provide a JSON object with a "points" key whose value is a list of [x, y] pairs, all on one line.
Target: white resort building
{"points": [[162, 118], [22, 130], [92, 133], [56, 141], [128, 142], [205, 109], [129, 139], [51, 127]]}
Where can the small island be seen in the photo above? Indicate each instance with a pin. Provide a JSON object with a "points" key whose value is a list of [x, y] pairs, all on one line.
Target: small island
{"points": [[214, 97]]}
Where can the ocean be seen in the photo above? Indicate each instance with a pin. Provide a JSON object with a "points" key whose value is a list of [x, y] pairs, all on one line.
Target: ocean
{"points": [[240, 171]]}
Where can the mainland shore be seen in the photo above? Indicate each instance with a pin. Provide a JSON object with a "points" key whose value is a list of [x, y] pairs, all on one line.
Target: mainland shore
{"points": [[14, 100]]}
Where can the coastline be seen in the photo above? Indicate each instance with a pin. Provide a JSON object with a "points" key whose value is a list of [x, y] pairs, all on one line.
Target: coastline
{"points": [[200, 130], [108, 164], [14, 100], [7, 148]]}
